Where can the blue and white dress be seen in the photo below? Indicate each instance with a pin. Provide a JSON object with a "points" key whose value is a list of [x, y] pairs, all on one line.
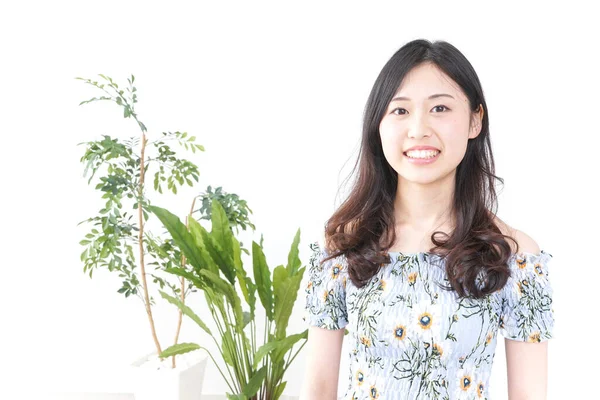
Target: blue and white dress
{"points": [[410, 339]]}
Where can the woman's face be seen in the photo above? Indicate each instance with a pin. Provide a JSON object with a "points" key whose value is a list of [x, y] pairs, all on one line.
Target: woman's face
{"points": [[418, 120]]}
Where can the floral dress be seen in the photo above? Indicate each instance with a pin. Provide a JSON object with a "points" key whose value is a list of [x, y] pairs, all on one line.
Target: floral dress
{"points": [[410, 339]]}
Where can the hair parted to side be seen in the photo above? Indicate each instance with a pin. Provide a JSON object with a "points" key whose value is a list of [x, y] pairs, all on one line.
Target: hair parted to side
{"points": [[476, 247]]}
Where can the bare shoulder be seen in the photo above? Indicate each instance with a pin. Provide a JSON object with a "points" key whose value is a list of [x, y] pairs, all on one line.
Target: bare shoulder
{"points": [[526, 242]]}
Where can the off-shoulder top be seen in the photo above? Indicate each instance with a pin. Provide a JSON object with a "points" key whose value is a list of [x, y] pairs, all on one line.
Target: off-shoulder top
{"points": [[410, 339]]}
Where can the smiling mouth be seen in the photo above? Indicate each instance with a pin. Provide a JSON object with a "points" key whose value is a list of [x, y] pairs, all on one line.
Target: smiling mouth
{"points": [[430, 154]]}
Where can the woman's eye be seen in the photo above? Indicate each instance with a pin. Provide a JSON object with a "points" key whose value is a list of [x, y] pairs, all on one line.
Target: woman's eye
{"points": [[441, 106], [403, 111]]}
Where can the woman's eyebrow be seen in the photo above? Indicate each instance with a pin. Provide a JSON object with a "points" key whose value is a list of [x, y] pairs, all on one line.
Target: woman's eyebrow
{"points": [[433, 96]]}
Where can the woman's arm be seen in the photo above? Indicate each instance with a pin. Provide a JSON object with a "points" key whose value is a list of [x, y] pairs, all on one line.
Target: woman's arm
{"points": [[322, 364], [527, 369], [526, 363]]}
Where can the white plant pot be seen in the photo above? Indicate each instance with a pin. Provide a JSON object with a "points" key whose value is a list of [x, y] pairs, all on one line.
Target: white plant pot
{"points": [[156, 380]]}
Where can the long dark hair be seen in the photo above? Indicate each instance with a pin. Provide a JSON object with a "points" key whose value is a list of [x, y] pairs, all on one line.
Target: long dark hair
{"points": [[476, 252]]}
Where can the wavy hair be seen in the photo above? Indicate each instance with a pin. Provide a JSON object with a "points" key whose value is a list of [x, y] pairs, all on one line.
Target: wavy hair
{"points": [[362, 228]]}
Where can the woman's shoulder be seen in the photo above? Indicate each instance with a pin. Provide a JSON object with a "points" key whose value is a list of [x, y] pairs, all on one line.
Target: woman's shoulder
{"points": [[525, 242]]}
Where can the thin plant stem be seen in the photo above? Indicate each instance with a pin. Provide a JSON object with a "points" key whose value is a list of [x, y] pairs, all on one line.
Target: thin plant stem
{"points": [[217, 322], [183, 262], [140, 238]]}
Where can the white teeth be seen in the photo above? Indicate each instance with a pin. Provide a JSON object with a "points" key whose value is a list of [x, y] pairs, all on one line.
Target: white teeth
{"points": [[422, 153]]}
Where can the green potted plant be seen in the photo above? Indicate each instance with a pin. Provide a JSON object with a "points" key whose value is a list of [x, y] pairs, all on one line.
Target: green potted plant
{"points": [[120, 242], [216, 266]]}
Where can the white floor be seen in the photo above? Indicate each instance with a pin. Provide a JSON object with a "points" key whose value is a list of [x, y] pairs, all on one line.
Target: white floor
{"points": [[113, 396], [127, 396]]}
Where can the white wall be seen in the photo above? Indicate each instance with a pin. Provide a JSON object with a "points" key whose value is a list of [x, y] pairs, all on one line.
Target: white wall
{"points": [[275, 92]]}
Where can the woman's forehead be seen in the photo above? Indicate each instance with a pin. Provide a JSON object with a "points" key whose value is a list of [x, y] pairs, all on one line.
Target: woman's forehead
{"points": [[426, 80]]}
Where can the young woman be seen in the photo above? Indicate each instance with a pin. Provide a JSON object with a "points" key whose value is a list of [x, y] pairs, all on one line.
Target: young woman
{"points": [[415, 263]]}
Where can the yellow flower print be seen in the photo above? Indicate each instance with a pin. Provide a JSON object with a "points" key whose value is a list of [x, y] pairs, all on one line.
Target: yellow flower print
{"points": [[412, 278], [426, 317], [455, 317], [522, 286], [438, 349], [344, 282], [373, 392], [522, 262], [465, 382], [489, 338], [365, 340], [467, 379], [534, 337], [425, 320], [382, 284], [335, 271], [481, 390], [360, 377], [399, 332], [538, 269], [326, 294]]}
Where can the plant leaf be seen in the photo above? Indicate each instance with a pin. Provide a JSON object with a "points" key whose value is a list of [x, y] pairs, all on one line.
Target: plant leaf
{"points": [[180, 348], [228, 290], [255, 382], [263, 351], [285, 289], [263, 279], [186, 310], [236, 396], [294, 261], [221, 231], [246, 285], [227, 346], [180, 235], [196, 231], [221, 257], [286, 344], [279, 390]]}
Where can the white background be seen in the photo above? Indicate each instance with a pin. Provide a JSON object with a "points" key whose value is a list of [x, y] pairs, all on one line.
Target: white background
{"points": [[275, 92]]}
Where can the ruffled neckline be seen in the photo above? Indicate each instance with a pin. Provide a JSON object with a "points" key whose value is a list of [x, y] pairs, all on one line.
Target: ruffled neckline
{"points": [[520, 255]]}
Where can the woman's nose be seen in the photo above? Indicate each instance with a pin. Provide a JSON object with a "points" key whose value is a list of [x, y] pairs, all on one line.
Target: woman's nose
{"points": [[418, 127]]}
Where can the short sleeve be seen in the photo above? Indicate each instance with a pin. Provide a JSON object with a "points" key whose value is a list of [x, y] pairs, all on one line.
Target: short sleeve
{"points": [[527, 314], [326, 290]]}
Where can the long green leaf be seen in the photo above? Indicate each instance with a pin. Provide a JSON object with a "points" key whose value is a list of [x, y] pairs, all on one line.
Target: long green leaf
{"points": [[286, 344], [245, 283], [187, 275], [220, 226], [262, 277], [186, 310], [286, 291], [227, 347], [180, 235], [255, 382], [294, 261], [222, 286], [279, 390], [221, 258], [180, 348], [207, 261], [263, 351]]}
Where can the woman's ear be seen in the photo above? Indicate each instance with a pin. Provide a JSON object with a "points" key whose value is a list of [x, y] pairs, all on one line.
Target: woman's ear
{"points": [[477, 122]]}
